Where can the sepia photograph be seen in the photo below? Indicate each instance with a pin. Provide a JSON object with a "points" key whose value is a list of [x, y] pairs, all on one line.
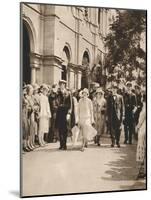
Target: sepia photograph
{"points": [[83, 73]]}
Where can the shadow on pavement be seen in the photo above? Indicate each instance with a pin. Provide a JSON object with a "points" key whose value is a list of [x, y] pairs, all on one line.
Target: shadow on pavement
{"points": [[125, 168], [137, 185]]}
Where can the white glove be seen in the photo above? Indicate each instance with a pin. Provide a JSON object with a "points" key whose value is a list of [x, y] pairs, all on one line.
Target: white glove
{"points": [[68, 117]]}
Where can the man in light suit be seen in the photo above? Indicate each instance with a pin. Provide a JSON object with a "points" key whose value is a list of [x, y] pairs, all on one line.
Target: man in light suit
{"points": [[116, 116]]}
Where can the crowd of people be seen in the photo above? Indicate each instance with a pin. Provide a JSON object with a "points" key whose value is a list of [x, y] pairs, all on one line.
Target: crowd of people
{"points": [[50, 113]]}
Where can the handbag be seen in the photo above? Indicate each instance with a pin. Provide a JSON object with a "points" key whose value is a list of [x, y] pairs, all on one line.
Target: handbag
{"points": [[75, 134]]}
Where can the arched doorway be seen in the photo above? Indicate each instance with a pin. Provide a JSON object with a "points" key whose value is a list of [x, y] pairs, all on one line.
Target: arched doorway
{"points": [[26, 56], [85, 79], [66, 58]]}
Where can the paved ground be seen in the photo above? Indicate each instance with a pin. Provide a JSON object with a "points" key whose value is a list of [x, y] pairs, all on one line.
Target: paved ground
{"points": [[48, 170]]}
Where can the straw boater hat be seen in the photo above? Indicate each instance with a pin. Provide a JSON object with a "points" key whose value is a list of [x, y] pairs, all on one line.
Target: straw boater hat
{"points": [[85, 90], [99, 90]]}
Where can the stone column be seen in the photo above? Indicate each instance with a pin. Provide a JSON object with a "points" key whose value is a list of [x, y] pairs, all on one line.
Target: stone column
{"points": [[35, 64], [33, 75], [79, 75], [52, 69], [72, 79]]}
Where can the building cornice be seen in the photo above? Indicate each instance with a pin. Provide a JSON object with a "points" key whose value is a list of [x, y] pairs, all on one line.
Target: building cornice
{"points": [[70, 28], [89, 42], [38, 12]]}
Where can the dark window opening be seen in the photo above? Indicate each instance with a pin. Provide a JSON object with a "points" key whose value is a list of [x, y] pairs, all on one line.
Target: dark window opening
{"points": [[26, 56], [64, 73]]}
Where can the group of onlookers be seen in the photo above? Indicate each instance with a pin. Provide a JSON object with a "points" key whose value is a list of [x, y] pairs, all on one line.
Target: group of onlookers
{"points": [[50, 113]]}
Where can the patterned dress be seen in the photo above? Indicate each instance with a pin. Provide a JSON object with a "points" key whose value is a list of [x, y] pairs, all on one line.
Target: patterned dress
{"points": [[25, 126], [99, 108]]}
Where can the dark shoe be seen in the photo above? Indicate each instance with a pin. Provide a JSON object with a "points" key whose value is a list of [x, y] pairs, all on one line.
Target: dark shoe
{"points": [[64, 148], [86, 146], [99, 144], [60, 148], [95, 139], [112, 145], [118, 145], [125, 141], [141, 176], [26, 149]]}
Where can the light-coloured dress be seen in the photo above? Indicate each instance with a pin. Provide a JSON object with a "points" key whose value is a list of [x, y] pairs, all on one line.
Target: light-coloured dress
{"points": [[141, 145], [44, 114], [85, 117], [99, 108]]}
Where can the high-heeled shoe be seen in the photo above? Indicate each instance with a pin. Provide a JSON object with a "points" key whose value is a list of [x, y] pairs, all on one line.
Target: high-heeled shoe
{"points": [[82, 149]]}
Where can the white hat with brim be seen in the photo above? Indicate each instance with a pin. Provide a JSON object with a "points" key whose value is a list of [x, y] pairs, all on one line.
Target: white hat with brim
{"points": [[36, 86], [29, 87], [99, 90], [85, 90], [44, 87]]}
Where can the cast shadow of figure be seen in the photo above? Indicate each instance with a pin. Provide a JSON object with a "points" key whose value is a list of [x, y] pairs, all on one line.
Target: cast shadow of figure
{"points": [[125, 168], [45, 149]]}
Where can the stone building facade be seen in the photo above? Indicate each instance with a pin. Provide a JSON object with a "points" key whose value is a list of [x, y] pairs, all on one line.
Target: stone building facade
{"points": [[63, 42]]}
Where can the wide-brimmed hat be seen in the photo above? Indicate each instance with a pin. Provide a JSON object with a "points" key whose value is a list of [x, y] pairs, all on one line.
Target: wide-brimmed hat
{"points": [[136, 86], [62, 81], [36, 86], [96, 85], [29, 86], [44, 87], [85, 90], [129, 84], [99, 90]]}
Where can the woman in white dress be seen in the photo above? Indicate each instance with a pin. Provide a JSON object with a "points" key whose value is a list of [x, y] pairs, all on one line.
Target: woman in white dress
{"points": [[85, 116], [141, 145], [44, 114]]}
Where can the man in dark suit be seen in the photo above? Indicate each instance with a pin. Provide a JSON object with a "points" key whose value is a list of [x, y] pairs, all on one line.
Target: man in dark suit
{"points": [[63, 113], [53, 101], [115, 114], [130, 109]]}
